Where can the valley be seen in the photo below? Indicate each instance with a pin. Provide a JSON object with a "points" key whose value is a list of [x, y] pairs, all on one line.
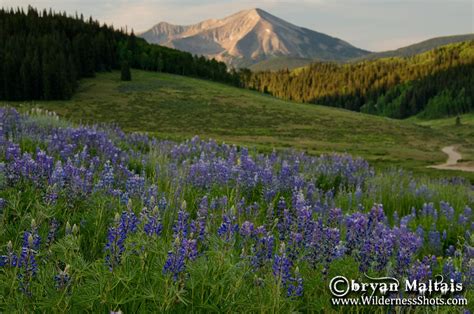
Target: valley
{"points": [[175, 107], [154, 173]]}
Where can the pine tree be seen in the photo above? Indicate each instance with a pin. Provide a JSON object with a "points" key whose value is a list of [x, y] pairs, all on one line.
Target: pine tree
{"points": [[126, 75], [43, 54]]}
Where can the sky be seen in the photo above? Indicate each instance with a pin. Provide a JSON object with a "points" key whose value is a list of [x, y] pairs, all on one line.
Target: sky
{"points": [[375, 25]]}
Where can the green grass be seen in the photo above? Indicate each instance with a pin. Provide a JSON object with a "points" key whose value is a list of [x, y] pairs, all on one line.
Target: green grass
{"points": [[221, 278], [279, 63], [177, 107], [463, 132]]}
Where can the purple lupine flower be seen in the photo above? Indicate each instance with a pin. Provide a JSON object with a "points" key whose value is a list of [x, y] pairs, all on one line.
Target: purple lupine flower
{"points": [[285, 223], [376, 216], [62, 279], [28, 265], [162, 203], [356, 225], [281, 266], [107, 178], [10, 259], [175, 263], [116, 236], [304, 220], [181, 227], [450, 250], [262, 251], [228, 228], [462, 220], [295, 245], [295, 289], [190, 249], [335, 217], [450, 271], [51, 196], [153, 226], [447, 210], [424, 192], [467, 265], [323, 244], [428, 210], [247, 229], [421, 271], [434, 240], [135, 186], [281, 206], [465, 217], [115, 245], [377, 248], [260, 231], [407, 244], [129, 221], [34, 233], [420, 232], [183, 250], [241, 207], [269, 194], [53, 232], [198, 227], [203, 206], [310, 192], [282, 271]]}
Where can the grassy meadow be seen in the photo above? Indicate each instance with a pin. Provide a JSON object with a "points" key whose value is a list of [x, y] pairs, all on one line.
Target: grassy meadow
{"points": [[465, 130], [169, 194], [99, 220], [176, 107]]}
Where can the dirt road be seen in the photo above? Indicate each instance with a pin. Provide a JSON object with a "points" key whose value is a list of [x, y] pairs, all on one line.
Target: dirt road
{"points": [[452, 162]]}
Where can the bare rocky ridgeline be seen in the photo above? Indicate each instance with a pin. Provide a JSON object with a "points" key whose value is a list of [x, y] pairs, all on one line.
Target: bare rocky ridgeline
{"points": [[250, 36]]}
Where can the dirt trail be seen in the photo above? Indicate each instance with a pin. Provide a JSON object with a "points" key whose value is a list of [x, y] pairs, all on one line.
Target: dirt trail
{"points": [[452, 162]]}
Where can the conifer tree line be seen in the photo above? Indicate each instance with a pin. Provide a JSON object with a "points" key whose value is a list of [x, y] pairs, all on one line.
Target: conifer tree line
{"points": [[433, 84], [43, 54]]}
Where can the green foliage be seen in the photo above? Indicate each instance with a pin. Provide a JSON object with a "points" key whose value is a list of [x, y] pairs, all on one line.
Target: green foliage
{"points": [[393, 87], [219, 280], [176, 107], [447, 103], [125, 74], [418, 48], [44, 54]]}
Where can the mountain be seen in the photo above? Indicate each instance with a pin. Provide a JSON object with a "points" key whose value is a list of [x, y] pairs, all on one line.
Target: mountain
{"points": [[278, 63], [251, 36], [418, 48], [435, 84]]}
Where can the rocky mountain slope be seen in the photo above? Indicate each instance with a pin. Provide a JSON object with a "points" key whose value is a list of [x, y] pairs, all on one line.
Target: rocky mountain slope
{"points": [[251, 36]]}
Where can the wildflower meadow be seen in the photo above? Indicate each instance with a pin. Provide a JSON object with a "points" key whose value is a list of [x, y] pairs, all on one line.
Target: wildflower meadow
{"points": [[95, 219]]}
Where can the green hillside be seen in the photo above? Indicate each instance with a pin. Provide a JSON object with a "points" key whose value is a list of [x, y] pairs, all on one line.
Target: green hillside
{"points": [[418, 48], [278, 63], [436, 83], [464, 130], [177, 107]]}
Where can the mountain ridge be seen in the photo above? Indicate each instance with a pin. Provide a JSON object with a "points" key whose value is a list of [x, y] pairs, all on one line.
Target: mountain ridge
{"points": [[250, 36], [275, 64], [418, 47]]}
